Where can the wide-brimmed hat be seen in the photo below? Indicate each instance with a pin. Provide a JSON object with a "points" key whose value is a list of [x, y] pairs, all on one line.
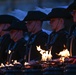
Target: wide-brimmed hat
{"points": [[35, 15], [17, 26], [59, 13], [72, 6], [7, 19]]}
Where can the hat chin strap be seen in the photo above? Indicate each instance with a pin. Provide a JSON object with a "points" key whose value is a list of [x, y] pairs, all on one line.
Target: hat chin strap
{"points": [[14, 36], [33, 29], [2, 29], [57, 25]]}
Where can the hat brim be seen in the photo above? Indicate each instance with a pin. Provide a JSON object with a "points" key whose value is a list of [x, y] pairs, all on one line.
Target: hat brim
{"points": [[13, 28], [34, 19], [72, 7], [59, 15], [7, 19], [35, 15], [17, 26]]}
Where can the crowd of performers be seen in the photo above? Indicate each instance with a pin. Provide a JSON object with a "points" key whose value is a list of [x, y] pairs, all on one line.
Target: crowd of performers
{"points": [[14, 46]]}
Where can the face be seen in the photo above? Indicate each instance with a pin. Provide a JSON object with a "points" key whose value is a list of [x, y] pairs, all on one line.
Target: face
{"points": [[54, 23], [74, 15], [30, 25]]}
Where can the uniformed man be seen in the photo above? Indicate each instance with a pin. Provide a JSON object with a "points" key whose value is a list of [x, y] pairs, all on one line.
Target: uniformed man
{"points": [[34, 21], [58, 37], [18, 48], [5, 22], [72, 34]]}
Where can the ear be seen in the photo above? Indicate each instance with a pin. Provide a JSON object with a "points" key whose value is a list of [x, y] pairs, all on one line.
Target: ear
{"points": [[62, 20]]}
